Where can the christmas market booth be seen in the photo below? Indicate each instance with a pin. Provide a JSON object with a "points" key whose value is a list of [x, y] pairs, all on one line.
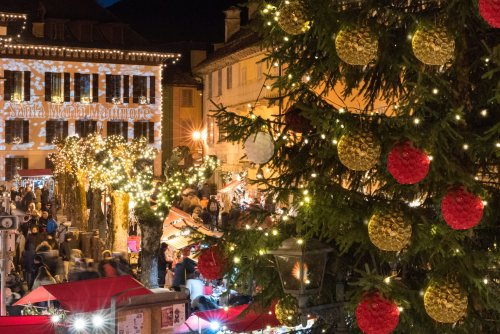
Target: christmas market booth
{"points": [[35, 177], [31, 324]]}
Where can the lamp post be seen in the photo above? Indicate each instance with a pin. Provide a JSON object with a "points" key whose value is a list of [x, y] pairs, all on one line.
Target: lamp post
{"points": [[301, 265]]}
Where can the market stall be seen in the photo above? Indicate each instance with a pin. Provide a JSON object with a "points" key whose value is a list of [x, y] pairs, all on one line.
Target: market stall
{"points": [[31, 324]]}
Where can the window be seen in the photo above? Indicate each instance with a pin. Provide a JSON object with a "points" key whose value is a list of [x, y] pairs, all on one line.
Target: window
{"points": [[222, 134], [244, 76], [115, 128], [55, 129], [211, 130], [12, 165], [210, 84], [49, 164], [85, 127], [17, 86], [219, 83], [229, 77], [146, 130], [17, 131], [187, 98], [259, 71], [113, 89], [54, 87], [82, 88], [140, 89], [57, 31]]}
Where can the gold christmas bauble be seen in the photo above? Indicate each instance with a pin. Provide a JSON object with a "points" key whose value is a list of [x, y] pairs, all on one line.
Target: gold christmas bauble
{"points": [[389, 231], [286, 311], [433, 45], [446, 303], [359, 151], [356, 46], [293, 18]]}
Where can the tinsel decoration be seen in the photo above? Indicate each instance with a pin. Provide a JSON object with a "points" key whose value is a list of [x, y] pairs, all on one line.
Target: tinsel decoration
{"points": [[375, 315], [359, 151], [295, 121], [446, 303], [408, 164], [211, 263], [286, 311], [293, 17], [259, 147], [389, 231], [462, 209], [433, 45], [490, 11], [356, 46]]}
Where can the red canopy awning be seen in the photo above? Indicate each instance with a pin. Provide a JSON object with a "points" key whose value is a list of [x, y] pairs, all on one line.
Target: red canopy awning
{"points": [[176, 214], [29, 324], [255, 319], [34, 172], [192, 324], [86, 296], [229, 187]]}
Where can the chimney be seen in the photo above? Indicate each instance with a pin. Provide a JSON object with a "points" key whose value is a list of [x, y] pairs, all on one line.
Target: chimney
{"points": [[252, 8], [232, 21]]}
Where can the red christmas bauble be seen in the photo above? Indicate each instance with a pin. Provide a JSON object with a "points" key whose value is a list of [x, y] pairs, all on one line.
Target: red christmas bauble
{"points": [[408, 164], [376, 315], [211, 263], [295, 121], [461, 209], [490, 11]]}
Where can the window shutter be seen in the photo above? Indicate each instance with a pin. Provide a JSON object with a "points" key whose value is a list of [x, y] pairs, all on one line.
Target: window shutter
{"points": [[7, 85], [78, 128], [95, 88], [135, 89], [126, 89], [48, 86], [24, 163], [67, 87], [152, 90], [229, 77], [108, 88], [49, 131], [137, 130], [110, 128], [27, 85], [8, 131], [26, 132], [125, 130], [77, 87], [10, 167], [65, 129], [151, 132]]}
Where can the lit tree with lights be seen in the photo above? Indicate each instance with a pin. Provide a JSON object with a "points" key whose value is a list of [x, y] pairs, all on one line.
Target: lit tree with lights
{"points": [[388, 152]]}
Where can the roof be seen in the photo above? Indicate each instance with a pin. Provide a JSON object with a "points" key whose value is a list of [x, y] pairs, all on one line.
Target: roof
{"points": [[242, 44], [28, 324], [180, 78], [86, 296], [230, 186], [34, 172]]}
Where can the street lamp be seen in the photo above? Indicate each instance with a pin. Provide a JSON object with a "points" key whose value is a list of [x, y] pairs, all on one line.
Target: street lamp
{"points": [[196, 135], [301, 265]]}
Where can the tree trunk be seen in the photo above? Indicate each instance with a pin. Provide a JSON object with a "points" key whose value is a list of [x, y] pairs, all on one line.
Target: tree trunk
{"points": [[119, 232], [81, 201], [150, 246], [96, 217]]}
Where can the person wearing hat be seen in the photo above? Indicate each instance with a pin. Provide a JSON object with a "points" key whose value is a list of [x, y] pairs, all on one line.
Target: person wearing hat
{"points": [[43, 221]]}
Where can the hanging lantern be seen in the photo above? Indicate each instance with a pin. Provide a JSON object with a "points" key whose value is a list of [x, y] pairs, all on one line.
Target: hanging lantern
{"points": [[433, 45], [293, 17], [356, 46], [301, 266], [359, 151], [260, 174], [446, 303]]}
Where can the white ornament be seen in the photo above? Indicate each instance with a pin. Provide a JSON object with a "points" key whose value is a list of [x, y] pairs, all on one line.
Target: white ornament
{"points": [[259, 147]]}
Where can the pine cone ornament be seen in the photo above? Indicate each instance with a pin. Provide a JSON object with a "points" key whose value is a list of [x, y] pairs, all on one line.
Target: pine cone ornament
{"points": [[356, 46], [293, 17], [375, 315], [389, 231], [433, 45], [461, 209], [211, 263], [446, 303], [296, 122], [490, 11], [259, 147], [359, 151], [408, 164], [286, 311]]}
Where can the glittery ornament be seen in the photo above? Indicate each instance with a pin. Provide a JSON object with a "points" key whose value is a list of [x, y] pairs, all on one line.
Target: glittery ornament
{"points": [[295, 121], [293, 18], [433, 45], [211, 263], [259, 147], [356, 46], [375, 315], [359, 151], [408, 164], [286, 311], [461, 209], [490, 11], [446, 303], [389, 231]]}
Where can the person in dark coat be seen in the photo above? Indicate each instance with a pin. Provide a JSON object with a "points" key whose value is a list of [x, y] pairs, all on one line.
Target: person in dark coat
{"points": [[205, 191], [207, 219], [163, 264], [43, 221], [89, 273], [45, 196], [182, 269], [29, 197], [37, 263], [13, 194], [65, 253], [213, 208]]}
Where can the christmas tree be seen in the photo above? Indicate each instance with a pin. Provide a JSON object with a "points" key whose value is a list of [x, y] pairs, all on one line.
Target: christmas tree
{"points": [[388, 152]]}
